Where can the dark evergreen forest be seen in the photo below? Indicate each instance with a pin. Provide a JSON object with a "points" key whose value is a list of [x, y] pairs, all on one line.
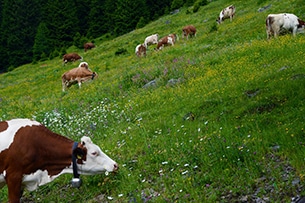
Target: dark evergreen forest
{"points": [[43, 29]]}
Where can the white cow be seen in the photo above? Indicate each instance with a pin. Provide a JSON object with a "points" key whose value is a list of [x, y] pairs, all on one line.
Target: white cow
{"points": [[152, 39], [276, 23], [227, 12]]}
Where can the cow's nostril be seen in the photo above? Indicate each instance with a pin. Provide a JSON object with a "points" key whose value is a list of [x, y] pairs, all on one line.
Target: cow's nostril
{"points": [[116, 167]]}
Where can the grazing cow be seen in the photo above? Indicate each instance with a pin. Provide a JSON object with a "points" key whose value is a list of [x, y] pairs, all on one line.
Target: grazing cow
{"points": [[165, 41], [31, 155], [174, 37], [188, 30], [227, 12], [152, 39], [88, 45], [77, 75], [71, 57], [140, 50], [277, 23]]}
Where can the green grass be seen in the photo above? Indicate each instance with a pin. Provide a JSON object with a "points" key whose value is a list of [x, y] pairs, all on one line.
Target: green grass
{"points": [[246, 95]]}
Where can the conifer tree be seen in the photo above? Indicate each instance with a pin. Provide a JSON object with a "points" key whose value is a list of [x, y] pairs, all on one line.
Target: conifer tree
{"points": [[42, 46], [19, 25], [128, 14], [62, 22]]}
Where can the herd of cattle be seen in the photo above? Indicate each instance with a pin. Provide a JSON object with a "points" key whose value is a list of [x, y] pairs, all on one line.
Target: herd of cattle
{"points": [[168, 40], [275, 24], [31, 155]]}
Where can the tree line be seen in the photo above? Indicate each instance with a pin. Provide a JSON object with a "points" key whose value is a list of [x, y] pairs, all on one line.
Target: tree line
{"points": [[43, 29]]}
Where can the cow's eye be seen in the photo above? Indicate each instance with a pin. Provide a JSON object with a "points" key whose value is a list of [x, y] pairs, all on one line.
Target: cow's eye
{"points": [[94, 153]]}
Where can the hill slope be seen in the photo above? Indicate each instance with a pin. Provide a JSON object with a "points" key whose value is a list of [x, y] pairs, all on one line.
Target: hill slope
{"points": [[229, 129]]}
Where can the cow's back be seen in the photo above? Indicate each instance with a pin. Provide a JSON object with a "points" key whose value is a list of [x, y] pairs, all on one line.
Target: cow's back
{"points": [[8, 130]]}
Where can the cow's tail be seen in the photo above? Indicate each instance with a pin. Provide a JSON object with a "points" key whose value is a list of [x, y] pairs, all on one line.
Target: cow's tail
{"points": [[269, 20]]}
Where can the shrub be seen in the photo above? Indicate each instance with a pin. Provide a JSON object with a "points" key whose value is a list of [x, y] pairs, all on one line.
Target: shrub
{"points": [[199, 3], [120, 51]]}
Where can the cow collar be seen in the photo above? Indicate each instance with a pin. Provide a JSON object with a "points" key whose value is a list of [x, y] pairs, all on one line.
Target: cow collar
{"points": [[74, 160], [76, 181]]}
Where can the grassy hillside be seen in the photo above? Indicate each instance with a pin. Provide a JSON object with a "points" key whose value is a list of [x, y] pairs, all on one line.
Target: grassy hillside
{"points": [[229, 129]]}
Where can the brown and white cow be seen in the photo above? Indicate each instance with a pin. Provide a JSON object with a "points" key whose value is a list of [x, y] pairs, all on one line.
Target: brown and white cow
{"points": [[71, 57], [88, 45], [174, 37], [152, 39], [277, 23], [31, 155], [165, 41], [226, 13], [188, 30], [77, 75], [140, 50]]}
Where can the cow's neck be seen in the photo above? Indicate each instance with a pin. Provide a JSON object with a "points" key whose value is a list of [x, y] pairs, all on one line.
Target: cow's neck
{"points": [[57, 156]]}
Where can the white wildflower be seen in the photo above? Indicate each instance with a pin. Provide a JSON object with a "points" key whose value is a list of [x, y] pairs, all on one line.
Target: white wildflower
{"points": [[184, 172]]}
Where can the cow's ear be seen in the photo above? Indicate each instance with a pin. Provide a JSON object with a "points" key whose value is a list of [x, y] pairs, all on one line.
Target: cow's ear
{"points": [[80, 152]]}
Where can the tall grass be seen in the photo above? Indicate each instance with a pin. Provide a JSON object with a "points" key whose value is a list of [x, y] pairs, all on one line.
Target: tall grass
{"points": [[230, 128]]}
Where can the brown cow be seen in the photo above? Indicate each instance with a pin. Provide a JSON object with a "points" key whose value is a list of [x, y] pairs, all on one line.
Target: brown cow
{"points": [[88, 45], [164, 41], [140, 50], [77, 75], [71, 57], [188, 30], [31, 155]]}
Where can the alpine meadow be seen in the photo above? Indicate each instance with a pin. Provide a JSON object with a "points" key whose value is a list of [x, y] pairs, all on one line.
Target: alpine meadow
{"points": [[218, 117]]}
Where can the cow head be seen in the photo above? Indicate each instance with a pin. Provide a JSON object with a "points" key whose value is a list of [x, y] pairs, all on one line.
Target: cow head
{"points": [[92, 160], [218, 20]]}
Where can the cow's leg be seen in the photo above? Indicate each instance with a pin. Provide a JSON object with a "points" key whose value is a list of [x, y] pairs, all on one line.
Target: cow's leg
{"points": [[276, 30], [63, 86], [269, 33], [13, 182], [276, 33], [294, 31]]}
